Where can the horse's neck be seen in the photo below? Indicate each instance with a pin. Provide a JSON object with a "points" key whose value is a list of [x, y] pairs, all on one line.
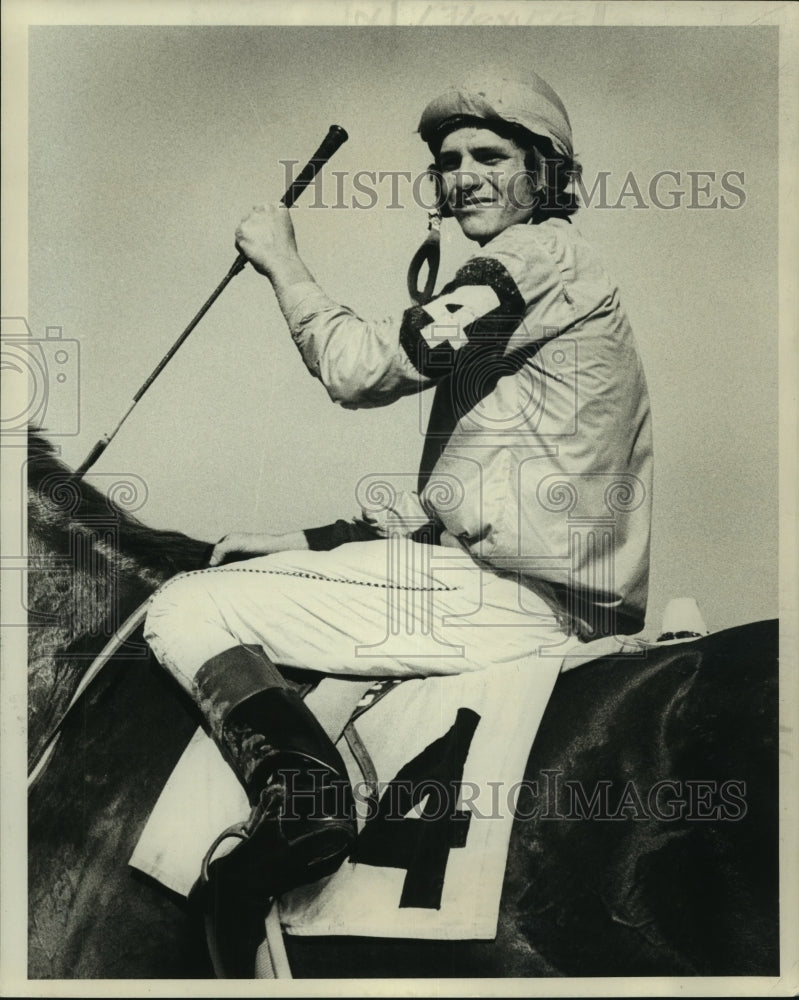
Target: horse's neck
{"points": [[82, 585], [91, 565], [79, 592]]}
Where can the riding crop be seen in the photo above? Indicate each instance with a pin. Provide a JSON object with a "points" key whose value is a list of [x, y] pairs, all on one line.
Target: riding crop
{"points": [[335, 137]]}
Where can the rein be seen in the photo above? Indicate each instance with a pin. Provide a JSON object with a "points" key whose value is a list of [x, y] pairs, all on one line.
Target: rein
{"points": [[119, 638], [428, 253]]}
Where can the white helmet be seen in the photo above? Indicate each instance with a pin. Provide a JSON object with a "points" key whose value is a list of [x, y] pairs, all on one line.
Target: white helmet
{"points": [[530, 104]]}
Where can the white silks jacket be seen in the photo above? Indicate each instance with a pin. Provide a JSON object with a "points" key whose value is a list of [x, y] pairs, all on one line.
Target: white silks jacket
{"points": [[538, 454]]}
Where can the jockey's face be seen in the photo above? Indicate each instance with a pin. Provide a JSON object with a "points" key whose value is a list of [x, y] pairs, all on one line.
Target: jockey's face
{"points": [[485, 181]]}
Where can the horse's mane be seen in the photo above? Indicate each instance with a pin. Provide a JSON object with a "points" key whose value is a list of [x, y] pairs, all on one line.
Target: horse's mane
{"points": [[60, 503], [91, 564]]}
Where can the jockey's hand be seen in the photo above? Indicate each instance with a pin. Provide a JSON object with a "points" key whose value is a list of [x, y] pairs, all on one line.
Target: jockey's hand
{"points": [[266, 238], [241, 545]]}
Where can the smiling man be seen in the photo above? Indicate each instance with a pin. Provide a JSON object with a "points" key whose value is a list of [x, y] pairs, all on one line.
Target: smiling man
{"points": [[529, 526], [483, 171]]}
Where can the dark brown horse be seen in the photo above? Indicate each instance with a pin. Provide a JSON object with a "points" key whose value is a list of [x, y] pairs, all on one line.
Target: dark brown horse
{"points": [[654, 851]]}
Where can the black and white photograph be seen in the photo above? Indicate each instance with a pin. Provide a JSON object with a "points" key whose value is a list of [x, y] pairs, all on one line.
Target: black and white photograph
{"points": [[399, 552]]}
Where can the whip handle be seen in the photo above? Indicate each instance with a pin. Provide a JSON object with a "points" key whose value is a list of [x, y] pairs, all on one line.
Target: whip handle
{"points": [[335, 137]]}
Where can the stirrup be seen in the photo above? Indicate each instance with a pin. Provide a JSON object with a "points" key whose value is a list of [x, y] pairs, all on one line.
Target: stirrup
{"points": [[240, 831], [283, 862]]}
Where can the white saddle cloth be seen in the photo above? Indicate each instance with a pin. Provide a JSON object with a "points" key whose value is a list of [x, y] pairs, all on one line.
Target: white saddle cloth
{"points": [[430, 862]]}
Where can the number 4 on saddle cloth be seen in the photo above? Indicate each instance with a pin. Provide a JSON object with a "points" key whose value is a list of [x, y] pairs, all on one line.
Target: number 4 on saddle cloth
{"points": [[435, 815]]}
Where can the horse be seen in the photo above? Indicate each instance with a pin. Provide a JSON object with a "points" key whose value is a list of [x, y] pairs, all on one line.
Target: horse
{"points": [[656, 852]]}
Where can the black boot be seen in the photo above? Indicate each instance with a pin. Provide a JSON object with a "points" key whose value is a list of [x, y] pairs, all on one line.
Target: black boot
{"points": [[302, 823]]}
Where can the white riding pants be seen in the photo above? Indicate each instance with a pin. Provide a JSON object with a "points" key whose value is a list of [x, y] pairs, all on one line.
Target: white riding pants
{"points": [[387, 608], [360, 612]]}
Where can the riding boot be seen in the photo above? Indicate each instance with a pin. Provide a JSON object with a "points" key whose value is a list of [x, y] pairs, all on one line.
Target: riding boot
{"points": [[302, 822]]}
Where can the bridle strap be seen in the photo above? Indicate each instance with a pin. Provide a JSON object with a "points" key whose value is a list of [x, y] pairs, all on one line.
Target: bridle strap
{"points": [[428, 253]]}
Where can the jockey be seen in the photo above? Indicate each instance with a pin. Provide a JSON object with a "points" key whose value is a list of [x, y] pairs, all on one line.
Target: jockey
{"points": [[529, 524]]}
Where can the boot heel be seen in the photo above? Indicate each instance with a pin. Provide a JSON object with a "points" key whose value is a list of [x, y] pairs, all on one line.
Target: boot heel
{"points": [[323, 851]]}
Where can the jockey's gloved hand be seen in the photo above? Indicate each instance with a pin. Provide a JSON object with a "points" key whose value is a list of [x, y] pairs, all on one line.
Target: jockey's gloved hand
{"points": [[239, 545]]}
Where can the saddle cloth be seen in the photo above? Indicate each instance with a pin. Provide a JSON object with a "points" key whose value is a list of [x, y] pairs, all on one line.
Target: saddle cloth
{"points": [[449, 754]]}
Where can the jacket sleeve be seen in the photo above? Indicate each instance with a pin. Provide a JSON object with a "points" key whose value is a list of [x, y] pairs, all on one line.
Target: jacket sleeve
{"points": [[372, 363], [403, 515], [330, 536], [360, 363], [481, 307]]}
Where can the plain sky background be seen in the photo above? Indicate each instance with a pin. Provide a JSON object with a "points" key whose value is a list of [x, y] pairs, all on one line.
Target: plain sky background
{"points": [[147, 145]]}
